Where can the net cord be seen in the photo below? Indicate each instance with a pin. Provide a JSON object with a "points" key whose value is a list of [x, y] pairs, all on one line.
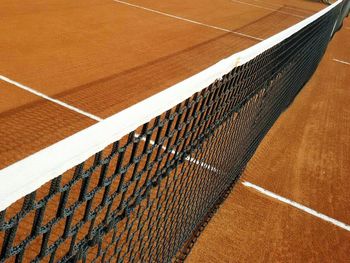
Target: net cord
{"points": [[27, 175]]}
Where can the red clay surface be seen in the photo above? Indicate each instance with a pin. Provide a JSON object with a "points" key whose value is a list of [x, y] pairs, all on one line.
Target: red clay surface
{"points": [[99, 56], [251, 227], [103, 56]]}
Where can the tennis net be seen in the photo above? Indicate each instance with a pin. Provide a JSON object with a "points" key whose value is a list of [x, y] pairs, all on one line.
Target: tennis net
{"points": [[139, 185]]}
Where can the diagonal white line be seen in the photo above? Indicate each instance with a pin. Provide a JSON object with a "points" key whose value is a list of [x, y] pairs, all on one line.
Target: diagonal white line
{"points": [[341, 61], [188, 20], [39, 94], [297, 205], [267, 8]]}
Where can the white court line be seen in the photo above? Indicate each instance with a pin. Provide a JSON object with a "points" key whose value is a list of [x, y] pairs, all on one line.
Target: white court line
{"points": [[297, 205], [39, 94], [188, 20], [341, 61], [267, 8]]}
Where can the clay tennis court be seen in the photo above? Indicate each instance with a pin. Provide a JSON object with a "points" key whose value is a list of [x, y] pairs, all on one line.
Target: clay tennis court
{"points": [[96, 56], [66, 66]]}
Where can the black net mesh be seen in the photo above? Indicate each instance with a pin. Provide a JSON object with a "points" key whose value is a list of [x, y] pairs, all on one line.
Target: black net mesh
{"points": [[143, 198]]}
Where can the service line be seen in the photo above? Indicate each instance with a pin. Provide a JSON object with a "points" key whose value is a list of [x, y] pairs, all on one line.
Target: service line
{"points": [[188, 20], [341, 61], [298, 206]]}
